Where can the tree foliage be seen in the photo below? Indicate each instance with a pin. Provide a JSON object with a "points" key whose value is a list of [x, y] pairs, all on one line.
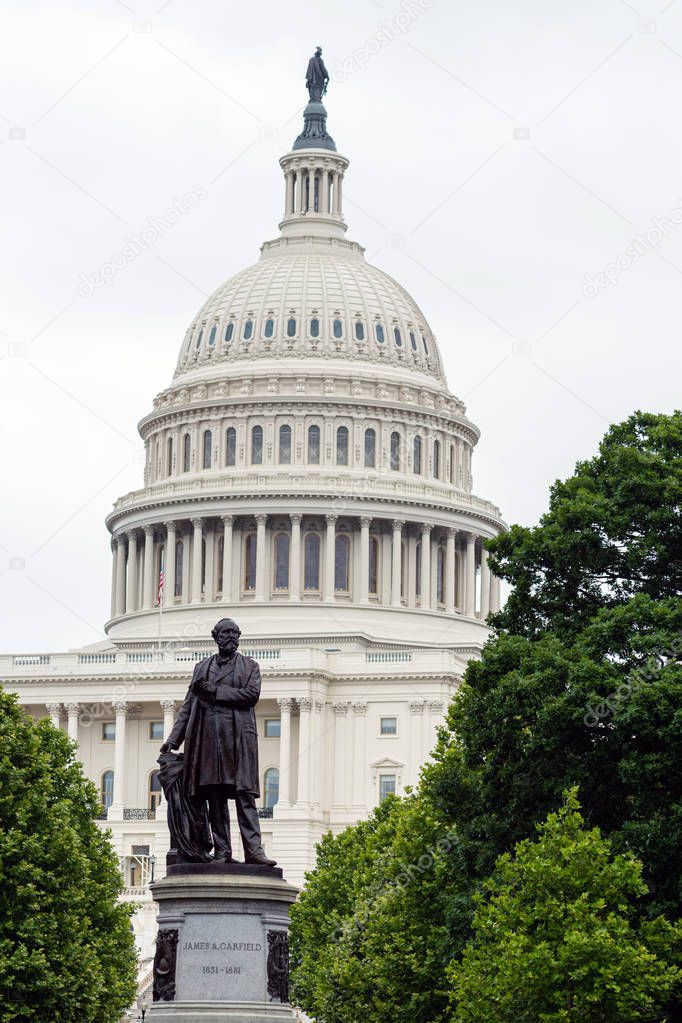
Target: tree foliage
{"points": [[580, 685], [556, 938], [66, 946]]}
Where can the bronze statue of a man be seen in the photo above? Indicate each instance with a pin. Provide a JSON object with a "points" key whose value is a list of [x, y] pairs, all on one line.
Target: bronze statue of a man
{"points": [[218, 726], [316, 77]]}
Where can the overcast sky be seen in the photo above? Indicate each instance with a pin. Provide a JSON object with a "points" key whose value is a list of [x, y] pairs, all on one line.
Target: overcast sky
{"points": [[504, 155]]}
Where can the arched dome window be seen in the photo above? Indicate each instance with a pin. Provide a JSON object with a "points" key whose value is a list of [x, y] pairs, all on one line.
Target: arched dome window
{"points": [[359, 330], [271, 788], [230, 446], [417, 455], [208, 445], [413, 341], [314, 445], [179, 561], [169, 456], [418, 570], [373, 578], [282, 544], [285, 445], [250, 562], [337, 328], [370, 448], [342, 445], [398, 337], [199, 337], [311, 562], [314, 327], [440, 574], [269, 327], [342, 563], [257, 445], [426, 347], [211, 336], [186, 453], [395, 451], [154, 791], [291, 327], [248, 330], [229, 332], [436, 459], [106, 789], [379, 333]]}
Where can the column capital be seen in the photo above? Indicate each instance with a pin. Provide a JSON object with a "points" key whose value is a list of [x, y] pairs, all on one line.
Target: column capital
{"points": [[359, 708], [171, 524], [228, 520], [470, 537], [341, 708], [168, 706], [417, 706], [261, 519], [331, 519], [72, 708], [148, 530], [54, 708], [119, 538], [366, 521], [305, 703], [435, 706], [451, 532], [197, 523], [121, 707], [132, 534], [286, 703], [398, 525], [426, 528], [295, 517]]}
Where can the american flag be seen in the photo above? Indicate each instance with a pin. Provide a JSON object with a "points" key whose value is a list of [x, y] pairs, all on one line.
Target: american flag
{"points": [[159, 596]]}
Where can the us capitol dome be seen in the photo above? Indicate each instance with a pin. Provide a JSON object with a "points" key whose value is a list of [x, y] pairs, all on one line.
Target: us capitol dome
{"points": [[309, 473]]}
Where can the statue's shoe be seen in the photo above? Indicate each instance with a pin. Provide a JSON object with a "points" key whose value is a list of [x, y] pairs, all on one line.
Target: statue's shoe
{"points": [[224, 858], [260, 859]]}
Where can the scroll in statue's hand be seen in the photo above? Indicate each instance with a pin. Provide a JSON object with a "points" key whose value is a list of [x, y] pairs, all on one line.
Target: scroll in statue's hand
{"points": [[205, 690]]}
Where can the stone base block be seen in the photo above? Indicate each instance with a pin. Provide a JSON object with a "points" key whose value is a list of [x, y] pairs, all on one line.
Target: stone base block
{"points": [[222, 945]]}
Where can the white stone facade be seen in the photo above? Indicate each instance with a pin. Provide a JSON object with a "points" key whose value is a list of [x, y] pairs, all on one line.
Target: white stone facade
{"points": [[309, 474]]}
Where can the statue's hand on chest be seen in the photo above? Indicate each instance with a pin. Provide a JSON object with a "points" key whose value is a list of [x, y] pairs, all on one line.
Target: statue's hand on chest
{"points": [[204, 690]]}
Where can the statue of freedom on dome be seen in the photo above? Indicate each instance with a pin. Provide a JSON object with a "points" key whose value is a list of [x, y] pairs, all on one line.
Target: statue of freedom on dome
{"points": [[317, 77]]}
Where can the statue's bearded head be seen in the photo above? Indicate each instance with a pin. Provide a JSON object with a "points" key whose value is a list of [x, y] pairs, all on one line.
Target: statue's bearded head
{"points": [[226, 633], [318, 51]]}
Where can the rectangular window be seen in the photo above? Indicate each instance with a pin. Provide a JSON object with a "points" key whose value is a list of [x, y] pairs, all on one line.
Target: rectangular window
{"points": [[387, 786], [109, 731], [388, 726], [156, 730], [272, 728]]}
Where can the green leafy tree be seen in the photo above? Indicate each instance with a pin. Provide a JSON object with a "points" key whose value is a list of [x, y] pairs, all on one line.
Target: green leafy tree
{"points": [[556, 938], [67, 951]]}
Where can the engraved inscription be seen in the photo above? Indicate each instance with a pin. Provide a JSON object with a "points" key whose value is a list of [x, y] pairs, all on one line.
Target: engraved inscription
{"points": [[221, 960]]}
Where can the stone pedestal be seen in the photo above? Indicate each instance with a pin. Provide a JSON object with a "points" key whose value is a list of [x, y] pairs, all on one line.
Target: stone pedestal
{"points": [[222, 953]]}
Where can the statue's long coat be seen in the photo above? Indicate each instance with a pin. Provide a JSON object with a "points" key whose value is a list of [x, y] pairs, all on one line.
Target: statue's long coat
{"points": [[241, 697]]}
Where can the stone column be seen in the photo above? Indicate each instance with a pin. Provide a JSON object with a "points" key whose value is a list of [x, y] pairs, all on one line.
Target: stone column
{"points": [[495, 598], [186, 541], [338, 194], [316, 753], [450, 572], [289, 198], [228, 525], [169, 570], [359, 753], [435, 719], [121, 708], [365, 523], [209, 589], [485, 585], [114, 567], [305, 705], [196, 560], [148, 568], [131, 586], [262, 561], [416, 744], [168, 708], [324, 191], [120, 574], [329, 553], [426, 566], [342, 755], [55, 712], [72, 710], [285, 707], [295, 558], [397, 564], [470, 575]]}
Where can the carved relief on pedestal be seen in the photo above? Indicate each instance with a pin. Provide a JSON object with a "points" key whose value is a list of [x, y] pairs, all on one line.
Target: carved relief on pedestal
{"points": [[164, 965]]}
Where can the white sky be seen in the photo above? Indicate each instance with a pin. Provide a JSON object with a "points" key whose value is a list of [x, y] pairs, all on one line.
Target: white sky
{"points": [[126, 106]]}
